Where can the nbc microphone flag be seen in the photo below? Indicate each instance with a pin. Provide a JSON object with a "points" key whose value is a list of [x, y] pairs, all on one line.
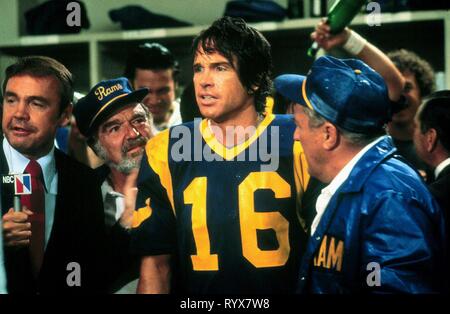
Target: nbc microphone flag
{"points": [[22, 184]]}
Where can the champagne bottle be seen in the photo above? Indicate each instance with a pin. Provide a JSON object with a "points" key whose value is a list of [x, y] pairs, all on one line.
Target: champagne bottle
{"points": [[339, 16]]}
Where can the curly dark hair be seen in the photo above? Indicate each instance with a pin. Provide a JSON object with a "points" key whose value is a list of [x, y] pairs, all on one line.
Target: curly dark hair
{"points": [[406, 60], [233, 38]]}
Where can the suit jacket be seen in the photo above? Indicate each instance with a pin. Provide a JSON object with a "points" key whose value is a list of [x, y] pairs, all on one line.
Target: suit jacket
{"points": [[440, 188], [77, 236], [122, 266]]}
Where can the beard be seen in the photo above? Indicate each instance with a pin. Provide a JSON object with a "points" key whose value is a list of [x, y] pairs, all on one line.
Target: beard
{"points": [[127, 163]]}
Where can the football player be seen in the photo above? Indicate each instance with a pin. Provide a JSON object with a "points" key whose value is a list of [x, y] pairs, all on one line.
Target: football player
{"points": [[221, 193]]}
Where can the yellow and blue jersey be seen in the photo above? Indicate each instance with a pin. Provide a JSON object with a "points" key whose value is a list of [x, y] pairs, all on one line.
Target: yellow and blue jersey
{"points": [[230, 223]]}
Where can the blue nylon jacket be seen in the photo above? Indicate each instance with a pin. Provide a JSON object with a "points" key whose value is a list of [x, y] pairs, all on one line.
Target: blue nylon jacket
{"points": [[382, 232]]}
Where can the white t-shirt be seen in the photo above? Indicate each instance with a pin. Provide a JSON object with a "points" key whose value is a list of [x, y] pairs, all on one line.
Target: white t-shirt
{"points": [[327, 193]]}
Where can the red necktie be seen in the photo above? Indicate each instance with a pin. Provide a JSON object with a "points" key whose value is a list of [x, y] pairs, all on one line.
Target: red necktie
{"points": [[36, 203]]}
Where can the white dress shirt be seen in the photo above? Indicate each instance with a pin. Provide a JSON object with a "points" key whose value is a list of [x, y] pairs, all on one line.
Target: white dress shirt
{"points": [[327, 193], [113, 203], [441, 167], [175, 119], [17, 164]]}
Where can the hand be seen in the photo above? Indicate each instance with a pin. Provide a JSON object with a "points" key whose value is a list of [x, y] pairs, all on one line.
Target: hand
{"points": [[17, 228], [130, 191], [326, 40]]}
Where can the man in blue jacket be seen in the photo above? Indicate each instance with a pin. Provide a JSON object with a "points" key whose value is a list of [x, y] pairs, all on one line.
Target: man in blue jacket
{"points": [[376, 228]]}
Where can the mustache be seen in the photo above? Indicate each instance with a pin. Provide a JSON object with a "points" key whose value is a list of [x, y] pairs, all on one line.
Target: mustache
{"points": [[133, 143], [20, 124]]}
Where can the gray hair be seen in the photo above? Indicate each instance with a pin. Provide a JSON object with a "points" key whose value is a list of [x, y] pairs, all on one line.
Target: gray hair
{"points": [[362, 139], [355, 139], [315, 120]]}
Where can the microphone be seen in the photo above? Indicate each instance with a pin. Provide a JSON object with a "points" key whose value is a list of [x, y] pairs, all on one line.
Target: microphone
{"points": [[22, 186]]}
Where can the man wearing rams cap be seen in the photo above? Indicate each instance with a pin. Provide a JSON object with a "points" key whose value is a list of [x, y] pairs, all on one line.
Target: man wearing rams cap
{"points": [[117, 127], [376, 228]]}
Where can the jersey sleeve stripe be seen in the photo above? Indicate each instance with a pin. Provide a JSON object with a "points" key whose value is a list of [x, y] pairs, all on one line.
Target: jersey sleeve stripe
{"points": [[300, 169], [157, 151]]}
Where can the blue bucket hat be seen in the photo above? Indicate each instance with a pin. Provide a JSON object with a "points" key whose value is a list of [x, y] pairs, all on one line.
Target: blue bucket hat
{"points": [[348, 93], [102, 101]]}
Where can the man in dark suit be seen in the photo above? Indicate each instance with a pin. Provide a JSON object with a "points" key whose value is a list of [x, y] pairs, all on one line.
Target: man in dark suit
{"points": [[55, 242], [432, 142]]}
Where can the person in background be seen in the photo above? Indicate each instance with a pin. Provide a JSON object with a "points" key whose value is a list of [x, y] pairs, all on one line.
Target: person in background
{"points": [[282, 105], [419, 83], [117, 127], [77, 146], [188, 104], [432, 142], [79, 149], [153, 66]]}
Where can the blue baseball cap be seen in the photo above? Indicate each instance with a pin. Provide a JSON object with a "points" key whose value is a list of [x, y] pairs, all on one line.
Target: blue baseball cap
{"points": [[102, 101], [348, 93]]}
